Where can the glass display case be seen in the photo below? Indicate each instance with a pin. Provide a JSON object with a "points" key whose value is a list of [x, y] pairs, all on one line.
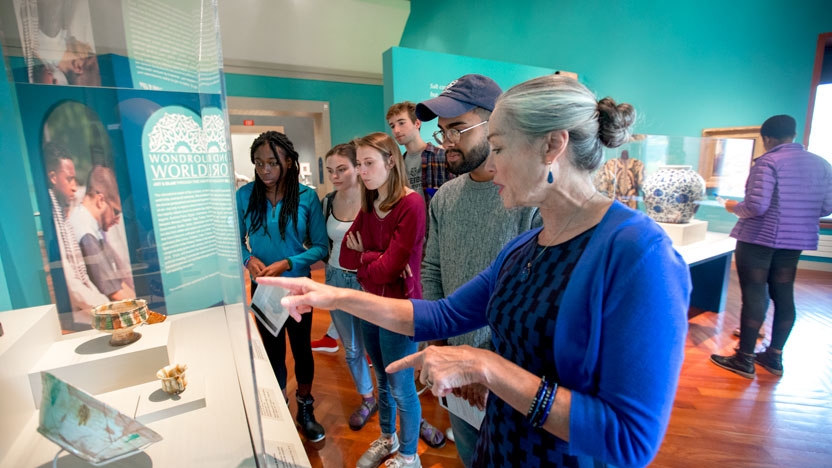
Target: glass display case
{"points": [[120, 198], [704, 172], [682, 183]]}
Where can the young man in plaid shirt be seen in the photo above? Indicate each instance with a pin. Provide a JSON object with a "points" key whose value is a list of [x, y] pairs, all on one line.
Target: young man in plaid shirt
{"points": [[425, 163]]}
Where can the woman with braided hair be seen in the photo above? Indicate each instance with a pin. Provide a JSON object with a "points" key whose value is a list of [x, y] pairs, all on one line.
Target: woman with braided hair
{"points": [[276, 214]]}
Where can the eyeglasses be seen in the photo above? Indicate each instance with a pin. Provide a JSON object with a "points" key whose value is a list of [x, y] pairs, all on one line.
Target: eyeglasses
{"points": [[116, 211], [262, 165], [453, 135]]}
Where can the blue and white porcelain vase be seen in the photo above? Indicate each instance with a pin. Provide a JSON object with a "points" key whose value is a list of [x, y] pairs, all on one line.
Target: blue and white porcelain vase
{"points": [[672, 194]]}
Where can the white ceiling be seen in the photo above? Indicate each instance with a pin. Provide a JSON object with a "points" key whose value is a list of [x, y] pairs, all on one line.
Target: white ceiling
{"points": [[340, 40]]}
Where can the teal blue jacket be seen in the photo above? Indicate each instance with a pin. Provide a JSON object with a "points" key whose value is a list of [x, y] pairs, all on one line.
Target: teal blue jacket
{"points": [[270, 248]]}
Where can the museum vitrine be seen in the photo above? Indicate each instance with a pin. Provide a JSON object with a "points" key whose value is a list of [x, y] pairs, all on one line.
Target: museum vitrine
{"points": [[126, 262], [678, 180]]}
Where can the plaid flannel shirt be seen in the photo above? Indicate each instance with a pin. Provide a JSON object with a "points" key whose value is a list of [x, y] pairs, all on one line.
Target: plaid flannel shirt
{"points": [[434, 169]]}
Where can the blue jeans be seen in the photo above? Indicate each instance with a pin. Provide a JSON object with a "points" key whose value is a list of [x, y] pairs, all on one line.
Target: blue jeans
{"points": [[349, 331], [465, 439], [394, 390]]}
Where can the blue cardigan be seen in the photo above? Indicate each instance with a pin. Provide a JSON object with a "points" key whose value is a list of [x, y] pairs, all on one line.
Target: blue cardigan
{"points": [[619, 339], [271, 248]]}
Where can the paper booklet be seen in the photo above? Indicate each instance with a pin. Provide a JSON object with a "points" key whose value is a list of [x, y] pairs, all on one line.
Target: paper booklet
{"points": [[461, 408], [266, 306]]}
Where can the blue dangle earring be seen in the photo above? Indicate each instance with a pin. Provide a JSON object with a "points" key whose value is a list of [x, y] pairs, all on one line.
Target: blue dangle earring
{"points": [[550, 179]]}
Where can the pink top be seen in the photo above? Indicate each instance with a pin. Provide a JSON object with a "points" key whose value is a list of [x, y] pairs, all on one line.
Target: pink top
{"points": [[390, 243]]}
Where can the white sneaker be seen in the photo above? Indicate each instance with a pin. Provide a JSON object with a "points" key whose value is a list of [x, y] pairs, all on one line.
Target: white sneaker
{"points": [[380, 449], [400, 462], [449, 434]]}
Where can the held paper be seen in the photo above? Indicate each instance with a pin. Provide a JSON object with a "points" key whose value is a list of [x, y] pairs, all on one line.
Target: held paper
{"points": [[461, 408], [267, 308]]}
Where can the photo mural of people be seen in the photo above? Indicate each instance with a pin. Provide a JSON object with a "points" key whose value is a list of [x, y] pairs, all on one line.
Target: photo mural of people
{"points": [[57, 42], [60, 171], [99, 211], [86, 210]]}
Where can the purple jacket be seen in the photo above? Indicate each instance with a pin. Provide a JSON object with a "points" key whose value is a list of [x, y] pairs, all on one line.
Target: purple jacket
{"points": [[788, 190]]}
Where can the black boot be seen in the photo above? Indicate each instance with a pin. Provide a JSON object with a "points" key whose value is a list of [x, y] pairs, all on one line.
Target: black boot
{"points": [[740, 363], [771, 361], [309, 427]]}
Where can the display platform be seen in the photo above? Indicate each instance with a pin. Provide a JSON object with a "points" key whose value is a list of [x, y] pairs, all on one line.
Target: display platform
{"points": [[710, 266], [87, 360], [688, 233], [204, 425]]}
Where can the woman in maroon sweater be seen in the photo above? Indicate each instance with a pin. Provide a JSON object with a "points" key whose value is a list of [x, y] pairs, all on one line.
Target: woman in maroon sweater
{"points": [[384, 245]]}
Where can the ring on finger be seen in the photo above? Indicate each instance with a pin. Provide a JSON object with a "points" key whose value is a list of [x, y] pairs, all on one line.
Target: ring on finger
{"points": [[428, 383]]}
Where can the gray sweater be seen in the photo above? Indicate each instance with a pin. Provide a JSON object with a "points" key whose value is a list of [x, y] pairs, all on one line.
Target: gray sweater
{"points": [[468, 228]]}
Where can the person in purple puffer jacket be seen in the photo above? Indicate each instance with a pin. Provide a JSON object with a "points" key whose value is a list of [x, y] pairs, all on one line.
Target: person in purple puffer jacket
{"points": [[787, 191]]}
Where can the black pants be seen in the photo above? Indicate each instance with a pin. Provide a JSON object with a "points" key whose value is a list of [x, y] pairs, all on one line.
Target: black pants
{"points": [[300, 338], [766, 272]]}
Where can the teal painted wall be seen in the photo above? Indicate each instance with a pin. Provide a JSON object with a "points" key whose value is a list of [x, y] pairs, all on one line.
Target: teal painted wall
{"points": [[684, 65], [406, 80], [5, 297], [355, 109], [813, 258], [23, 280]]}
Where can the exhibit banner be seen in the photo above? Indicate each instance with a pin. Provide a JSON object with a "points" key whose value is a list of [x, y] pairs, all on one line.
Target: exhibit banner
{"points": [[188, 175], [161, 44], [136, 195], [82, 196]]}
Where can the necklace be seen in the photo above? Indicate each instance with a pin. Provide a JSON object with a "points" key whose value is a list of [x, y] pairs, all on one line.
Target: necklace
{"points": [[527, 270]]}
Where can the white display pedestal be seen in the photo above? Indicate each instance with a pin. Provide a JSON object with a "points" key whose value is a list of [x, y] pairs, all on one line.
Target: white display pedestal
{"points": [[710, 266], [88, 361], [205, 426], [28, 334], [714, 245], [688, 233]]}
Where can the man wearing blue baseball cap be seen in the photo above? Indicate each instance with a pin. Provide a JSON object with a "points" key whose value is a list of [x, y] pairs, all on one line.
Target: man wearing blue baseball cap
{"points": [[468, 225], [463, 109], [461, 96]]}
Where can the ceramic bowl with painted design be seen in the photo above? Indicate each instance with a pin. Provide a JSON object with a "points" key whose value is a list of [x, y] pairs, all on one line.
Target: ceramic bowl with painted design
{"points": [[120, 318]]}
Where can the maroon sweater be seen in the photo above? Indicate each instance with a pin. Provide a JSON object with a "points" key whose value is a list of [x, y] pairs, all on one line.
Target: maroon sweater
{"points": [[390, 243]]}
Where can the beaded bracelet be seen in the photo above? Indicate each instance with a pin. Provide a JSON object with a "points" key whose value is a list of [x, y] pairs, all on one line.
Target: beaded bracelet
{"points": [[538, 399], [535, 417], [547, 406], [245, 263]]}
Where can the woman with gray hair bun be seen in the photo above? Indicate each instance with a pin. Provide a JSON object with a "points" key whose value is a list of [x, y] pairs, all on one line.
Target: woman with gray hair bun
{"points": [[588, 314]]}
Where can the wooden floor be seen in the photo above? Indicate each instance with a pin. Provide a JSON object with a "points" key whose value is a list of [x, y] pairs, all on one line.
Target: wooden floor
{"points": [[335, 400], [719, 419]]}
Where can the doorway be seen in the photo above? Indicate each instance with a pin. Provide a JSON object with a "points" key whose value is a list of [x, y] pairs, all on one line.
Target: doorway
{"points": [[306, 123], [242, 137]]}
